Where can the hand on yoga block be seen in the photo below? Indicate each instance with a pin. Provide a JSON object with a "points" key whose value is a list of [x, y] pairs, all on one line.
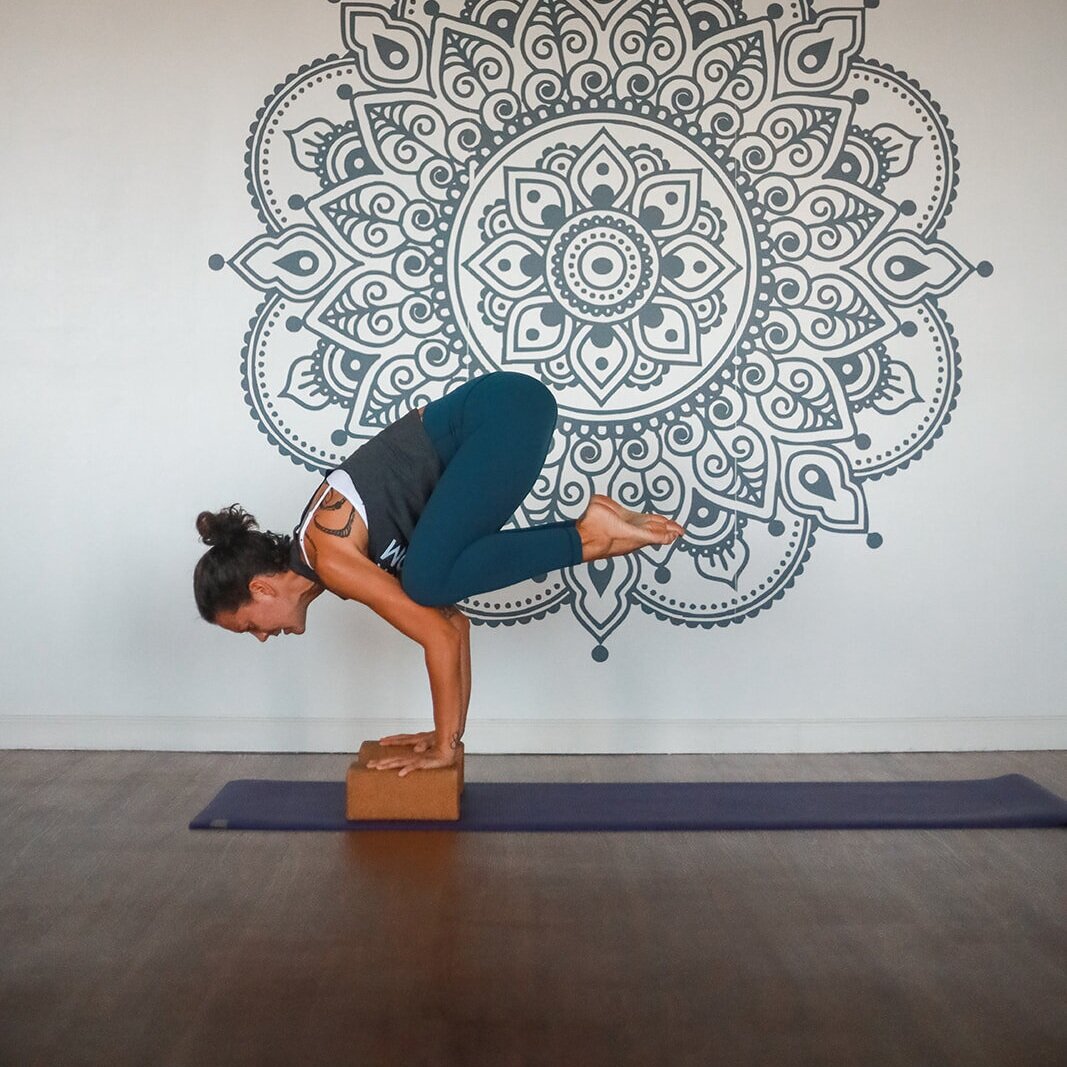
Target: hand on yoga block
{"points": [[427, 761], [433, 793], [422, 742]]}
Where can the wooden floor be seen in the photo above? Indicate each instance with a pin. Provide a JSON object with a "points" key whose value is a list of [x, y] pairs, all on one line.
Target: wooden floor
{"points": [[126, 938]]}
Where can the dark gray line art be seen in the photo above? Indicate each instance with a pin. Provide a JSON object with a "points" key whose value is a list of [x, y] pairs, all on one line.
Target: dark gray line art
{"points": [[711, 228]]}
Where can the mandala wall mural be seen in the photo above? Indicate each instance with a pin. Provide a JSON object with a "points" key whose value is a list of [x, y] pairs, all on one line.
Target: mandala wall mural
{"points": [[710, 227]]}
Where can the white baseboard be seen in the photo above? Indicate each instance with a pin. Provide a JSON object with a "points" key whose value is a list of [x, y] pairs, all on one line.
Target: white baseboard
{"points": [[561, 735]]}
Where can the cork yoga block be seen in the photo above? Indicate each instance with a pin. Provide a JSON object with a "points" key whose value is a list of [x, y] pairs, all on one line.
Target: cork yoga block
{"points": [[383, 794]]}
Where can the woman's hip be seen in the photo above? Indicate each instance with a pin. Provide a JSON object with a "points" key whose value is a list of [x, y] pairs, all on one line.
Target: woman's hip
{"points": [[499, 398]]}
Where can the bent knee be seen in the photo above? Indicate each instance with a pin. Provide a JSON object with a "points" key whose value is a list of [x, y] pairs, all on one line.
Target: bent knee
{"points": [[533, 397]]}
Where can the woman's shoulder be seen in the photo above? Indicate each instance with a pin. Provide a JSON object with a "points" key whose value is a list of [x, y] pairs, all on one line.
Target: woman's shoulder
{"points": [[334, 527]]}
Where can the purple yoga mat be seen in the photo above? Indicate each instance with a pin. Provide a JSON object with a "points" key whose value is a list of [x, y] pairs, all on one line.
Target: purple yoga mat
{"points": [[1011, 800]]}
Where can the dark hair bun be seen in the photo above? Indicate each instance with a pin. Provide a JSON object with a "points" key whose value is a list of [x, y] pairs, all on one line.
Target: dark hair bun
{"points": [[224, 529], [239, 551]]}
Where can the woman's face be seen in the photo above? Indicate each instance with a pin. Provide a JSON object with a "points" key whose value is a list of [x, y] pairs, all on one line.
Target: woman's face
{"points": [[274, 609]]}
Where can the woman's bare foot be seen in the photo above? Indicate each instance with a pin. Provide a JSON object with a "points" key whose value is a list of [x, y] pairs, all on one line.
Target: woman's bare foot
{"points": [[608, 529]]}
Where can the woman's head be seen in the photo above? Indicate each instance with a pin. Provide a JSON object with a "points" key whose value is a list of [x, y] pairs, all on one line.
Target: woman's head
{"points": [[243, 582]]}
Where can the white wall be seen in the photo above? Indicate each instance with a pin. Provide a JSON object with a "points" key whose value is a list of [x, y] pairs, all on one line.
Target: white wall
{"points": [[123, 142]]}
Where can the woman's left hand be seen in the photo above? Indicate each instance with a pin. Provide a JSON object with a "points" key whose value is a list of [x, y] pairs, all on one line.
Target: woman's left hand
{"points": [[421, 741], [407, 764]]}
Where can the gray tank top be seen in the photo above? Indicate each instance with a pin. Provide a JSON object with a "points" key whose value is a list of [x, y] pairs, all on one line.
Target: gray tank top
{"points": [[394, 473]]}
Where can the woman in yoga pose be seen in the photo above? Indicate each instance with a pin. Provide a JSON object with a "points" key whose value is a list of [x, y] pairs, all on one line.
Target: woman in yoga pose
{"points": [[409, 524]]}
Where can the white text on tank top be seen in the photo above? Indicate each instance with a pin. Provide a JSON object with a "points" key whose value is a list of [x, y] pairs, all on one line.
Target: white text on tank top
{"points": [[395, 553]]}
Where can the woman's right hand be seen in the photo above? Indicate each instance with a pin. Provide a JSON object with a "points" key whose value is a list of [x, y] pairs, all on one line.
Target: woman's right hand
{"points": [[422, 742]]}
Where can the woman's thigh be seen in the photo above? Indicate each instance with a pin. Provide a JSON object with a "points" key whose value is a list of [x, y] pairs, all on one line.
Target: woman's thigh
{"points": [[442, 420], [498, 434], [493, 398]]}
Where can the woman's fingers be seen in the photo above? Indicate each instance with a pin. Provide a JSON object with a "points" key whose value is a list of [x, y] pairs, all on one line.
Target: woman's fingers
{"points": [[391, 765], [402, 739], [407, 764], [392, 762]]}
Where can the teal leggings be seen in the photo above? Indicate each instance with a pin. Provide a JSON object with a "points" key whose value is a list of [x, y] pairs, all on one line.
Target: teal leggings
{"points": [[492, 435]]}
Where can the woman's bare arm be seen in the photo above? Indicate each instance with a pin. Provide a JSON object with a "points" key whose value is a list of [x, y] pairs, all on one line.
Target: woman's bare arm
{"points": [[463, 626], [351, 575]]}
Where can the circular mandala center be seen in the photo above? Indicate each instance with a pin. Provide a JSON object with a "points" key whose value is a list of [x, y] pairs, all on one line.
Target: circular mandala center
{"points": [[601, 266], [607, 253]]}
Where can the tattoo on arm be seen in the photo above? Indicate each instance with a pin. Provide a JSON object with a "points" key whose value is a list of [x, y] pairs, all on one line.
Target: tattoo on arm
{"points": [[345, 530]]}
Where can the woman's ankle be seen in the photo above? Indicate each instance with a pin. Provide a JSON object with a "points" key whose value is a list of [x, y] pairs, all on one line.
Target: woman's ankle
{"points": [[593, 541]]}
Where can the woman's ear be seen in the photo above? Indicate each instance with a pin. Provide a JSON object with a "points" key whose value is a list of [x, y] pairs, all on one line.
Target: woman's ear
{"points": [[261, 587]]}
